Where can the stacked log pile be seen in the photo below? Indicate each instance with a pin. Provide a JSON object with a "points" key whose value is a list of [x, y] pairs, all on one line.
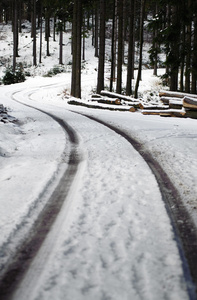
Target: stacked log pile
{"points": [[172, 104], [110, 101], [176, 105]]}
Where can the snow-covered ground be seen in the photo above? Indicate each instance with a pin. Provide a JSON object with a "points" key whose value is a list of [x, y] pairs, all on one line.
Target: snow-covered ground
{"points": [[113, 238]]}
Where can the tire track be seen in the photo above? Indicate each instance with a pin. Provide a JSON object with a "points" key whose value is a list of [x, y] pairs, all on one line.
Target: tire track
{"points": [[26, 252], [183, 226]]}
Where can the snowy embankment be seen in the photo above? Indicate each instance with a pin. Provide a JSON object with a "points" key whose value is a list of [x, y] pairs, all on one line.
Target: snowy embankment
{"points": [[30, 154]]}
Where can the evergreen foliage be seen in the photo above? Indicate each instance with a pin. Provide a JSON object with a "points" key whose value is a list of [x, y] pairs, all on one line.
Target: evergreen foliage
{"points": [[12, 76]]}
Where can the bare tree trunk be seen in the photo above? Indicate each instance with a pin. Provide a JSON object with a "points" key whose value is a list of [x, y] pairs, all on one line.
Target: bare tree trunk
{"points": [[47, 31], [83, 55], [74, 49], [113, 54], [96, 34], [188, 54], [93, 28], [54, 28], [130, 64], [20, 15], [156, 45], [15, 27], [120, 46], [143, 3], [182, 63], [194, 57], [34, 33], [101, 65], [40, 58], [76, 66], [61, 43]]}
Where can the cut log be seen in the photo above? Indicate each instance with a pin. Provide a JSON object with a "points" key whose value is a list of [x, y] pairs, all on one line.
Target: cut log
{"points": [[108, 101], [156, 107], [178, 113], [99, 105], [151, 112], [176, 94], [191, 114], [132, 109], [165, 113], [115, 95], [175, 104], [166, 100], [96, 96], [189, 102], [135, 104]]}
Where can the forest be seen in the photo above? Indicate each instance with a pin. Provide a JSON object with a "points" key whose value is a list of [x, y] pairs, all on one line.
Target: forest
{"points": [[169, 25]]}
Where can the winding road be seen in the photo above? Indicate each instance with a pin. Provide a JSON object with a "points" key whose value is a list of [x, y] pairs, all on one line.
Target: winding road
{"points": [[21, 275]]}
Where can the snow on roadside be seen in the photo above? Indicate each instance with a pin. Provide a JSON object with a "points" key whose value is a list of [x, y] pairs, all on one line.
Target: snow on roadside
{"points": [[30, 153]]}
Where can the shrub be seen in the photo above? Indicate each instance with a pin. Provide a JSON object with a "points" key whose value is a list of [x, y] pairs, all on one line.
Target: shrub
{"points": [[54, 71], [11, 77]]}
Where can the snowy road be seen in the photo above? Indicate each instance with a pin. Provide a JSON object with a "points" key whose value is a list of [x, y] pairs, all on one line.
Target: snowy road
{"points": [[113, 238]]}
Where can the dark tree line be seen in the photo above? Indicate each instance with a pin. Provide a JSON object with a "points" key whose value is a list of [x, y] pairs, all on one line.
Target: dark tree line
{"points": [[172, 30]]}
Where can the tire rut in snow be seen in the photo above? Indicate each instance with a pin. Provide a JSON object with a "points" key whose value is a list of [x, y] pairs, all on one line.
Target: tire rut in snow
{"points": [[26, 252], [183, 226]]}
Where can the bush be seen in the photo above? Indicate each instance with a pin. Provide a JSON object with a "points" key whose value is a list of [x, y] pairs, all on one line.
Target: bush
{"points": [[11, 77], [54, 71]]}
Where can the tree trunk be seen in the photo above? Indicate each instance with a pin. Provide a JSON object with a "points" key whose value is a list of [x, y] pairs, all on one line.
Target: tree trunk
{"points": [[143, 3], [54, 28], [174, 49], [47, 31], [130, 64], [34, 33], [15, 28], [20, 15], [76, 66], [40, 58], [101, 64], [113, 54], [194, 56], [60, 43], [74, 49], [83, 55], [182, 65], [96, 34], [155, 45], [188, 53], [120, 46]]}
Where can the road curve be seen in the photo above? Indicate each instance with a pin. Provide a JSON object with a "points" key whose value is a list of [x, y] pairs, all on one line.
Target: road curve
{"points": [[184, 234], [27, 251], [185, 231]]}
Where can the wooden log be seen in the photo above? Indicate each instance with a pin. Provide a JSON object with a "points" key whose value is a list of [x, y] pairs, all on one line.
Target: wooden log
{"points": [[165, 113], [166, 100], [175, 104], [108, 101], [151, 112], [189, 102], [96, 96], [178, 113], [119, 96], [135, 104], [191, 114], [99, 105], [155, 107], [176, 94], [132, 109]]}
